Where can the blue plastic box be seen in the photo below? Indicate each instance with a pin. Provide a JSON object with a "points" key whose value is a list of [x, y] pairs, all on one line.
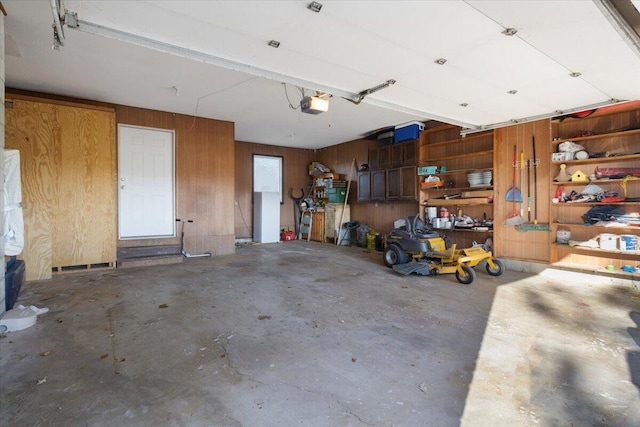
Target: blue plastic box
{"points": [[407, 131]]}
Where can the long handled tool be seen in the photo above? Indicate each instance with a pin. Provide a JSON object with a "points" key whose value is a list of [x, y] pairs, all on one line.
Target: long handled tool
{"points": [[185, 253], [346, 200], [529, 190], [521, 181], [514, 194], [535, 181]]}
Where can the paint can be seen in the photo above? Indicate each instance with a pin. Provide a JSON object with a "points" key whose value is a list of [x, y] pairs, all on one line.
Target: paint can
{"points": [[608, 241], [563, 237], [628, 242], [432, 212]]}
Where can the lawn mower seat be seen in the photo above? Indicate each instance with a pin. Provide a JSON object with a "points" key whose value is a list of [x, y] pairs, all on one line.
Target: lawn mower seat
{"points": [[415, 226]]}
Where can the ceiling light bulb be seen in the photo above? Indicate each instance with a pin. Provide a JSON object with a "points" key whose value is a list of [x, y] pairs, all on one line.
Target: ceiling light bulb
{"points": [[314, 6], [509, 31]]}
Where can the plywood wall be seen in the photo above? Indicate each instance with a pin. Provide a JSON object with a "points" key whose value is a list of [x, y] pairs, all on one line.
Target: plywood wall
{"points": [[205, 175], [68, 183], [295, 161], [508, 242]]}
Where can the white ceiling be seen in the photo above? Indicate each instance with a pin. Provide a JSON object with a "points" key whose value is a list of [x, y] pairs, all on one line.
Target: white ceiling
{"points": [[348, 47]]}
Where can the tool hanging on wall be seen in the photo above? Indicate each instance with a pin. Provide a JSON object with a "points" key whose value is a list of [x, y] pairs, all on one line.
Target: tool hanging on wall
{"points": [[521, 164], [534, 162], [535, 181], [514, 195]]}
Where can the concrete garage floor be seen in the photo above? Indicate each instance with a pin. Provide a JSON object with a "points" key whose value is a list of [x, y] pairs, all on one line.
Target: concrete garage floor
{"points": [[311, 334]]}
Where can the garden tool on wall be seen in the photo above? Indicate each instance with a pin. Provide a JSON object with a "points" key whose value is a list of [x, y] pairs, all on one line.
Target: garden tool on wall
{"points": [[185, 253], [514, 195]]}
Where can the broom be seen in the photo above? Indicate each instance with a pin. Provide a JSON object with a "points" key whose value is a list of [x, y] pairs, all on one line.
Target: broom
{"points": [[515, 219]]}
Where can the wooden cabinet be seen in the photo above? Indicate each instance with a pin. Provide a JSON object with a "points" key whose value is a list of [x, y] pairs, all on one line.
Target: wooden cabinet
{"points": [[444, 148], [388, 178], [611, 141], [68, 163]]}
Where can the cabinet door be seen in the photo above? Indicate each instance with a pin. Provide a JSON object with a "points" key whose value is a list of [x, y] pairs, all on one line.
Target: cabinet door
{"points": [[364, 186], [384, 157], [378, 185], [410, 153], [409, 180], [394, 184], [374, 158], [317, 227], [397, 157]]}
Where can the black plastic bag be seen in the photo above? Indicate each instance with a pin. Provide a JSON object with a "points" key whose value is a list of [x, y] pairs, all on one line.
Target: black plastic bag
{"points": [[603, 213]]}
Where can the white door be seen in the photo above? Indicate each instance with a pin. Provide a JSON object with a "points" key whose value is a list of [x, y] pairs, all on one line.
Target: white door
{"points": [[145, 183]]}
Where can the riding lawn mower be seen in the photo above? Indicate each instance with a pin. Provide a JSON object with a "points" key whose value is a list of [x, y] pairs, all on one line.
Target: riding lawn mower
{"points": [[434, 254]]}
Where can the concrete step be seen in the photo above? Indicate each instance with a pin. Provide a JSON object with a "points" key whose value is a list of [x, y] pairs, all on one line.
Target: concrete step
{"points": [[147, 251], [150, 260]]}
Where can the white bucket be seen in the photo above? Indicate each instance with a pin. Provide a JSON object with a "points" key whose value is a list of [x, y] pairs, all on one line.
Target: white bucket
{"points": [[608, 242], [628, 242], [432, 212], [563, 236]]}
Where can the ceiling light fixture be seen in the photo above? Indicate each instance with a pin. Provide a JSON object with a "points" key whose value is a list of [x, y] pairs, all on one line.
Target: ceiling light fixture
{"points": [[369, 91], [512, 92], [575, 74], [177, 90], [440, 61], [510, 31], [464, 104], [314, 6], [274, 43]]}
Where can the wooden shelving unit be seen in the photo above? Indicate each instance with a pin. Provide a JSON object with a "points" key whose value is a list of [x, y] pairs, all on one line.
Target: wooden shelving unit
{"points": [[443, 146], [615, 135]]}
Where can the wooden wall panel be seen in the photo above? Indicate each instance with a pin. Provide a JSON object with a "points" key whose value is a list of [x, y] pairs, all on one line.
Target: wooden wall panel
{"points": [[296, 162], [32, 129], [84, 213], [508, 242], [205, 173]]}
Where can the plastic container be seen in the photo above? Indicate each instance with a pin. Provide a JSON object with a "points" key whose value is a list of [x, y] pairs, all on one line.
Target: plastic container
{"points": [[336, 195], [432, 212], [628, 242], [408, 131], [444, 212], [371, 241], [608, 242], [563, 236]]}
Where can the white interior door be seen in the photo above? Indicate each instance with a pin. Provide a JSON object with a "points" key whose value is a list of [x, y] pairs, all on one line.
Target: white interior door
{"points": [[145, 183]]}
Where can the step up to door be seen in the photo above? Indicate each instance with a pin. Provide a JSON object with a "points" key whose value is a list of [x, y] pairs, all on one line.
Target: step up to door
{"points": [[138, 256], [147, 251], [150, 260]]}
